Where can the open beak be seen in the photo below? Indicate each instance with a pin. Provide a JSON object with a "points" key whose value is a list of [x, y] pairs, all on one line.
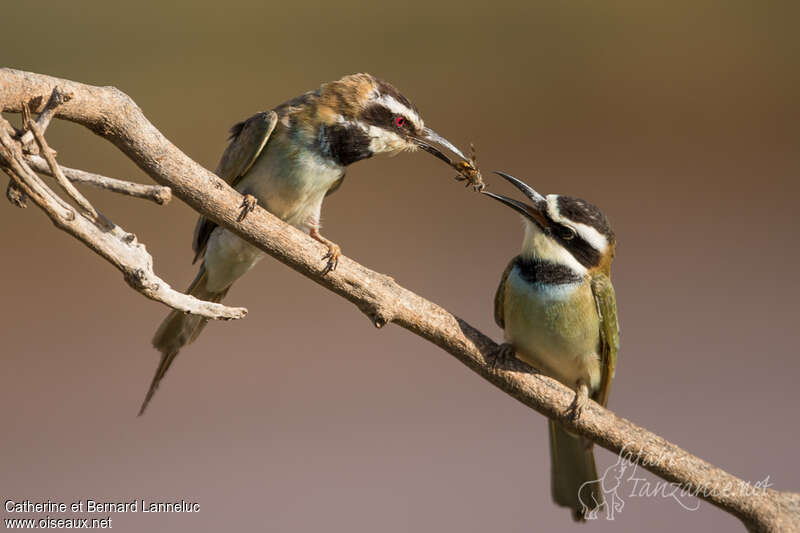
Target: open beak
{"points": [[433, 143], [535, 212]]}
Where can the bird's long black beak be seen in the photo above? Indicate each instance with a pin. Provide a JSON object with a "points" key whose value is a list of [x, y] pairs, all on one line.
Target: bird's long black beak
{"points": [[535, 212], [433, 143]]}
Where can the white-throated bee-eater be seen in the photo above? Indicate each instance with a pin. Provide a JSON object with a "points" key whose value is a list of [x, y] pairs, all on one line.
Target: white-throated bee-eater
{"points": [[558, 311], [288, 160]]}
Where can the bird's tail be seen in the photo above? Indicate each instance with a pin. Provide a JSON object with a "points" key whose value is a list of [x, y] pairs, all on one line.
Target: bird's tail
{"points": [[178, 330], [573, 472]]}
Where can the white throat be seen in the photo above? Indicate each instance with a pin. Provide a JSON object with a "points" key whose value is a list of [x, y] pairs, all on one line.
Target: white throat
{"points": [[537, 245]]}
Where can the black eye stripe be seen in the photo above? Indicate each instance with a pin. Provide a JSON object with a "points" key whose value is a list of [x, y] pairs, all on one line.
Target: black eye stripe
{"points": [[378, 115], [580, 249], [567, 233], [381, 116]]}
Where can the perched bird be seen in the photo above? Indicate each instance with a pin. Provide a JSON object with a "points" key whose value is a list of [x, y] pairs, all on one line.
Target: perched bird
{"points": [[288, 160], [558, 310]]}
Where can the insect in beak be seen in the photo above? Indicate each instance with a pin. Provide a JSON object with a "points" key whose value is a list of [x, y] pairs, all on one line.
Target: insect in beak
{"points": [[433, 143]]}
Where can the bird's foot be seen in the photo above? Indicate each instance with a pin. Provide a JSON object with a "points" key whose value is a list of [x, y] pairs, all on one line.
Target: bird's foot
{"points": [[579, 402], [502, 356], [332, 255], [249, 203]]}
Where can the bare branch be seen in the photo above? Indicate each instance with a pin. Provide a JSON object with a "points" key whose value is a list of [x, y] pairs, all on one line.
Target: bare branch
{"points": [[13, 193], [155, 193], [29, 183], [62, 180], [113, 115], [112, 243], [57, 97]]}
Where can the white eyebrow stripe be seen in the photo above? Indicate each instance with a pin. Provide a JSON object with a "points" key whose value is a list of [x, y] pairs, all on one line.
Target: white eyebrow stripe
{"points": [[596, 240], [552, 207], [390, 103]]}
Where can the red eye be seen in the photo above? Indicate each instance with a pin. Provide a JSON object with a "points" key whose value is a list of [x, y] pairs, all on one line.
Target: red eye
{"points": [[400, 121]]}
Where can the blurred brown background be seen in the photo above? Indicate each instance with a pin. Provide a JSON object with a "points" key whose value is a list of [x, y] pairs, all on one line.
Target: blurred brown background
{"points": [[680, 121]]}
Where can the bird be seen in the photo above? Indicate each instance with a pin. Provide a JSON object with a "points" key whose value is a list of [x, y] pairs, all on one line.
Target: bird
{"points": [[288, 160], [557, 307]]}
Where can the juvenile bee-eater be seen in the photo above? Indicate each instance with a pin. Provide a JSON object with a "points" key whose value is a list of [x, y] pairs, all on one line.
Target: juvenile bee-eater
{"points": [[558, 311], [288, 160]]}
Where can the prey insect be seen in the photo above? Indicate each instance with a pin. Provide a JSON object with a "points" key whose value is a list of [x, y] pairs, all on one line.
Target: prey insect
{"points": [[468, 170]]}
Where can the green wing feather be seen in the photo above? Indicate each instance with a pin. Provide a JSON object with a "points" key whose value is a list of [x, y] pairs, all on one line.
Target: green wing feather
{"points": [[606, 301], [500, 296], [247, 141]]}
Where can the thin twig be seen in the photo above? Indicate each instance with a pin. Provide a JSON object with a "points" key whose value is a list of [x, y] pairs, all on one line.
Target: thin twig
{"points": [[112, 243], [113, 115], [8, 164], [13, 193], [57, 97], [62, 180], [29, 183], [155, 193]]}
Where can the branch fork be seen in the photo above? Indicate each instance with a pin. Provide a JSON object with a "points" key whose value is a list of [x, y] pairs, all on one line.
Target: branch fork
{"points": [[87, 224]]}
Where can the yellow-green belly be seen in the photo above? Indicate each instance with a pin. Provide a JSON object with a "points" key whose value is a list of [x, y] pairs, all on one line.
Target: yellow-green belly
{"points": [[554, 328]]}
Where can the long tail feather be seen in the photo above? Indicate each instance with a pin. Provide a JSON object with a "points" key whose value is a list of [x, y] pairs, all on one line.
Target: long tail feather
{"points": [[178, 330], [573, 472]]}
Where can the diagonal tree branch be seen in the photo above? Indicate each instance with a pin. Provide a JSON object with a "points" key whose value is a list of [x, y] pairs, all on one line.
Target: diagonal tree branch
{"points": [[113, 115]]}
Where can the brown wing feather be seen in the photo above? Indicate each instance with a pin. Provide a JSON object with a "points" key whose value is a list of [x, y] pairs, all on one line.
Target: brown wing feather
{"points": [[247, 141], [500, 296]]}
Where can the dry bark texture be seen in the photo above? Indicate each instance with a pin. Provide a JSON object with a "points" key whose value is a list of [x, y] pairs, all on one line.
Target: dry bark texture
{"points": [[113, 115]]}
